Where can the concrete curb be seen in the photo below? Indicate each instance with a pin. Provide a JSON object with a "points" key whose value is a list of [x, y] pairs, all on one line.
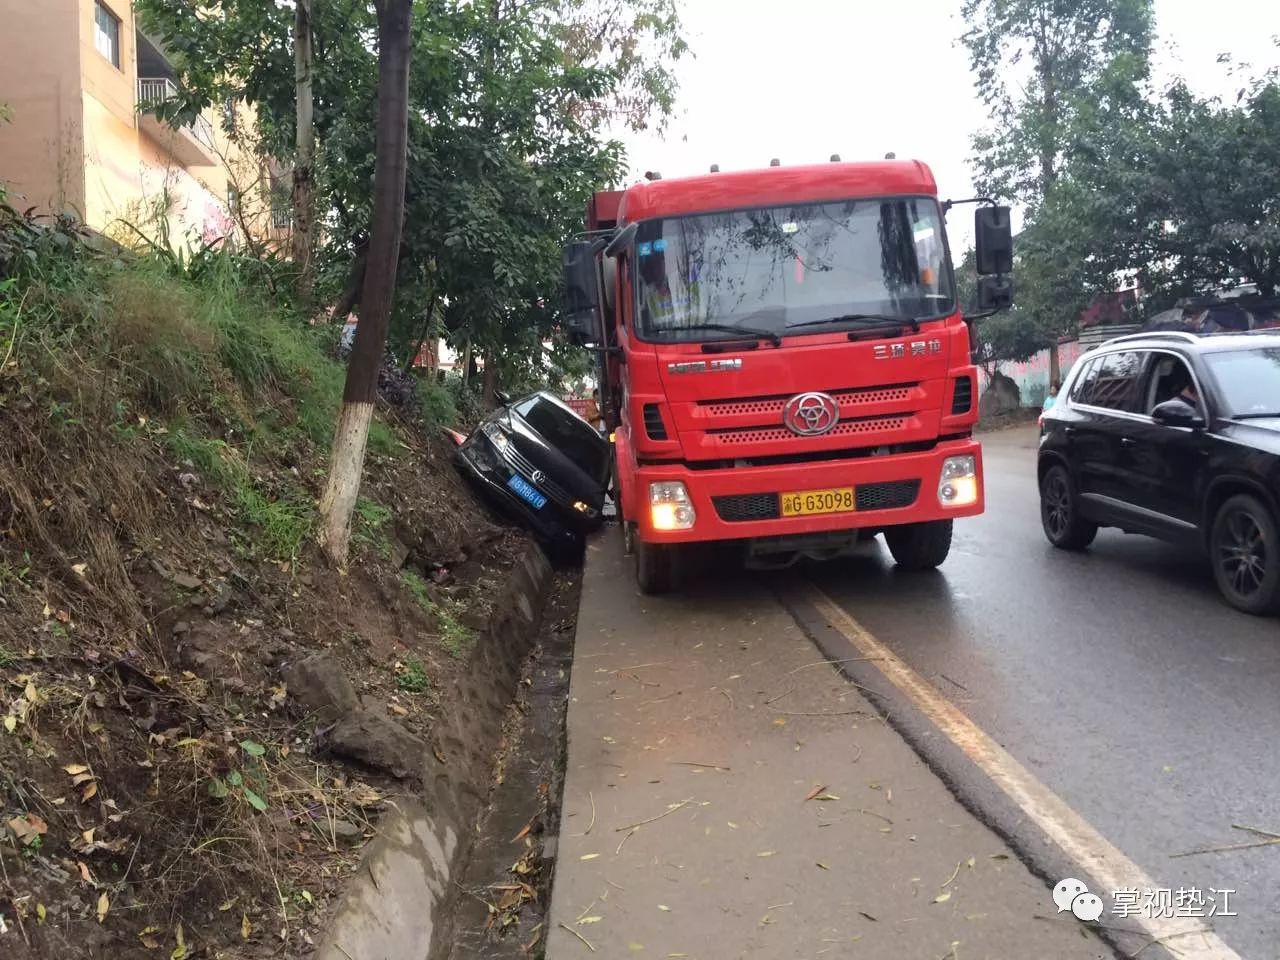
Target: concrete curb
{"points": [[395, 907]]}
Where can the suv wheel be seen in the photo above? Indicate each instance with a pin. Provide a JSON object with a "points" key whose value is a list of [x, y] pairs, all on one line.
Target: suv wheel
{"points": [[655, 566], [1060, 511], [1245, 549], [919, 546]]}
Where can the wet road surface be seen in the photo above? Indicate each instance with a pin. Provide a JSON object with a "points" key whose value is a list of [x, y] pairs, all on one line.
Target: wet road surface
{"points": [[1116, 676]]}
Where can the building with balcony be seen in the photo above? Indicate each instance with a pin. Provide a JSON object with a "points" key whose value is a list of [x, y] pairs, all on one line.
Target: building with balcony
{"points": [[81, 82]]}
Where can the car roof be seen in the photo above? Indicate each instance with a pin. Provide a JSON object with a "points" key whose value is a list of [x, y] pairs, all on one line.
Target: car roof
{"points": [[1183, 341]]}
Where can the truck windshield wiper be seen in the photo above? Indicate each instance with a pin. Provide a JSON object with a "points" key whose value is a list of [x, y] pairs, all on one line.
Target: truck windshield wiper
{"points": [[743, 333], [1257, 416], [860, 319]]}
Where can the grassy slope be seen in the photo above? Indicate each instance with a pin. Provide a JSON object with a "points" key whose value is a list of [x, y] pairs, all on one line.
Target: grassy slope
{"points": [[162, 444]]}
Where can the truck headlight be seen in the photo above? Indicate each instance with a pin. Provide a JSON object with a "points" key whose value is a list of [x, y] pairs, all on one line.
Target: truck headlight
{"points": [[669, 506], [958, 483], [497, 436]]}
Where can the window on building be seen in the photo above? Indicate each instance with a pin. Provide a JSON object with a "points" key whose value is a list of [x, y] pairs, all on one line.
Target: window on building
{"points": [[106, 32], [229, 114], [233, 200]]}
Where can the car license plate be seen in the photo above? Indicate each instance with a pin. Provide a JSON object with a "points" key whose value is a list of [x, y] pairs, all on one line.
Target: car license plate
{"points": [[527, 492], [800, 503]]}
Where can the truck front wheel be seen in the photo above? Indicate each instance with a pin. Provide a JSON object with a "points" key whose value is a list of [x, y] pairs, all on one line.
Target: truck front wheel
{"points": [[655, 566], [919, 546]]}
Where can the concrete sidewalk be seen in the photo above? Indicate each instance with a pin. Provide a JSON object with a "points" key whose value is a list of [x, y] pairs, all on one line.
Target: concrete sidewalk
{"points": [[730, 795]]}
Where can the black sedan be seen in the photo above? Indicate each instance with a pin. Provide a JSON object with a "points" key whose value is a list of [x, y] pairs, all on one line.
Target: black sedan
{"points": [[1175, 436], [540, 462]]}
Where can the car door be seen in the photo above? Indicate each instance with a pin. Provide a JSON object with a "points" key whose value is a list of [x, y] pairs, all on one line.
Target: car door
{"points": [[1163, 468], [1104, 401]]}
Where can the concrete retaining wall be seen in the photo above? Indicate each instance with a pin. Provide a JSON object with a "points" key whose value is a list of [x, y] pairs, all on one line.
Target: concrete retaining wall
{"points": [[397, 905]]}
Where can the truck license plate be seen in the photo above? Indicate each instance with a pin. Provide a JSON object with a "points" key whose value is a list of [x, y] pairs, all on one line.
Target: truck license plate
{"points": [[801, 503], [527, 492]]}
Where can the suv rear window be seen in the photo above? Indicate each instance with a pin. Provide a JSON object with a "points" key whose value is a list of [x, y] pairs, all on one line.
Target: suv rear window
{"points": [[1110, 381]]}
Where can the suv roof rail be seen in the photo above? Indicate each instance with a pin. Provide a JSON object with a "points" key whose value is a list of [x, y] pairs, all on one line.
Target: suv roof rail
{"points": [[1154, 335]]}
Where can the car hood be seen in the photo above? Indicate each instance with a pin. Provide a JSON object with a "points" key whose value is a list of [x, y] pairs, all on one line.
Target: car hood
{"points": [[1263, 433]]}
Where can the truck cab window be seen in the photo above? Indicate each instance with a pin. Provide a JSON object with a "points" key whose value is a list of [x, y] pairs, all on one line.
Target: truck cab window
{"points": [[776, 268]]}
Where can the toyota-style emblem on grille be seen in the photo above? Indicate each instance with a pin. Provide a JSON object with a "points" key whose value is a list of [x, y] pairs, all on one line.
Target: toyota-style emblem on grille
{"points": [[538, 476], [811, 414]]}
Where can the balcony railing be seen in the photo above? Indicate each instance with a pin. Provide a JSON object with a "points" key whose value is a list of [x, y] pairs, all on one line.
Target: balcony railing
{"points": [[153, 91]]}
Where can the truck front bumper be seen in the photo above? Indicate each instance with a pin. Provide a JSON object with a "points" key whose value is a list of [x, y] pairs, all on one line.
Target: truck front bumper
{"points": [[745, 502]]}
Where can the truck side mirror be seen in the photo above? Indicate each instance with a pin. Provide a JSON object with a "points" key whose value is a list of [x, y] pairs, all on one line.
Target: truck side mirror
{"points": [[581, 292], [993, 239], [994, 293]]}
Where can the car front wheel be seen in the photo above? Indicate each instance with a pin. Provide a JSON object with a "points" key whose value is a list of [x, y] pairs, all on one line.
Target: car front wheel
{"points": [[1245, 548], [1060, 511]]}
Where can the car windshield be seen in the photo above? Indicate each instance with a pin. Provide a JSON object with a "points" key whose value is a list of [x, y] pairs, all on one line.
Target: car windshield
{"points": [[776, 268], [1249, 380], [568, 433]]}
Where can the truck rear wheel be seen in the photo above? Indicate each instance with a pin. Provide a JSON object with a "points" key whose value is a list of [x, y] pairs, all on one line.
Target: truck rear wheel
{"points": [[919, 546], [655, 566]]}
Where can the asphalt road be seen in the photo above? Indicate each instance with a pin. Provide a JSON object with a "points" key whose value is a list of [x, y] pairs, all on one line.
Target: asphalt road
{"points": [[1116, 676]]}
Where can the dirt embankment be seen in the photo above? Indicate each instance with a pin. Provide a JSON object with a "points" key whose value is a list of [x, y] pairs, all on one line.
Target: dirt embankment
{"points": [[202, 720]]}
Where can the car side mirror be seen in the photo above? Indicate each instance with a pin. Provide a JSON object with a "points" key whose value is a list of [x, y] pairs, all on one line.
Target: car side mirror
{"points": [[1177, 413], [502, 397], [995, 293], [993, 241]]}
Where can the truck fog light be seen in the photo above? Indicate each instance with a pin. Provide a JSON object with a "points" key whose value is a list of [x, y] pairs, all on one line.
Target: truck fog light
{"points": [[958, 484], [669, 506]]}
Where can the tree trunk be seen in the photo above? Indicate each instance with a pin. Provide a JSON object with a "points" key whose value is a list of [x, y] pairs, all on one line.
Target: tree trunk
{"points": [[490, 395], [1055, 364], [466, 365], [352, 435], [304, 164]]}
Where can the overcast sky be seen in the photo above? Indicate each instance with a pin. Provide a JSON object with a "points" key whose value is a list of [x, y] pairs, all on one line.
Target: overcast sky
{"points": [[802, 79]]}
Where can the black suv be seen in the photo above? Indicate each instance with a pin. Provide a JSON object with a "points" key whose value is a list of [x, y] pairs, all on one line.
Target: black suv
{"points": [[1175, 436]]}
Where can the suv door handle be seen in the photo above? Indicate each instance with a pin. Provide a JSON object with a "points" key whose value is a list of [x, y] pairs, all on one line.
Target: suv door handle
{"points": [[1128, 442]]}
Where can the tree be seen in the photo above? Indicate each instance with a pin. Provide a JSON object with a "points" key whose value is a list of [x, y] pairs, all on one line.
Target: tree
{"points": [[1057, 55], [304, 172], [1184, 196], [351, 437]]}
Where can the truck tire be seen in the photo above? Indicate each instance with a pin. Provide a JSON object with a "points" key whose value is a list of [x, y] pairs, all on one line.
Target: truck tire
{"points": [[655, 567], [919, 546], [1246, 561]]}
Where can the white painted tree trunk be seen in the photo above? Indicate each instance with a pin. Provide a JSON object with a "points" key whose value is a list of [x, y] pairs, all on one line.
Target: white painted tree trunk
{"points": [[343, 489]]}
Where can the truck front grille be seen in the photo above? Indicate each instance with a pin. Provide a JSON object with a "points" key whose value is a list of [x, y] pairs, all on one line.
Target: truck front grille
{"points": [[895, 393], [889, 495], [843, 429]]}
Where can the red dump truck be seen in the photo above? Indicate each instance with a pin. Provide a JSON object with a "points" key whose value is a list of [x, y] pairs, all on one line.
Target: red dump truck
{"points": [[783, 360]]}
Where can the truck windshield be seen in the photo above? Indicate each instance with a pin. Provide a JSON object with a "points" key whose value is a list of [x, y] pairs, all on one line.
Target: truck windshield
{"points": [[776, 268]]}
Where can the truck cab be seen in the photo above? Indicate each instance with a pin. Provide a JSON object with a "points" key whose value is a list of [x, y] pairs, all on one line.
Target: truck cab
{"points": [[783, 360]]}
